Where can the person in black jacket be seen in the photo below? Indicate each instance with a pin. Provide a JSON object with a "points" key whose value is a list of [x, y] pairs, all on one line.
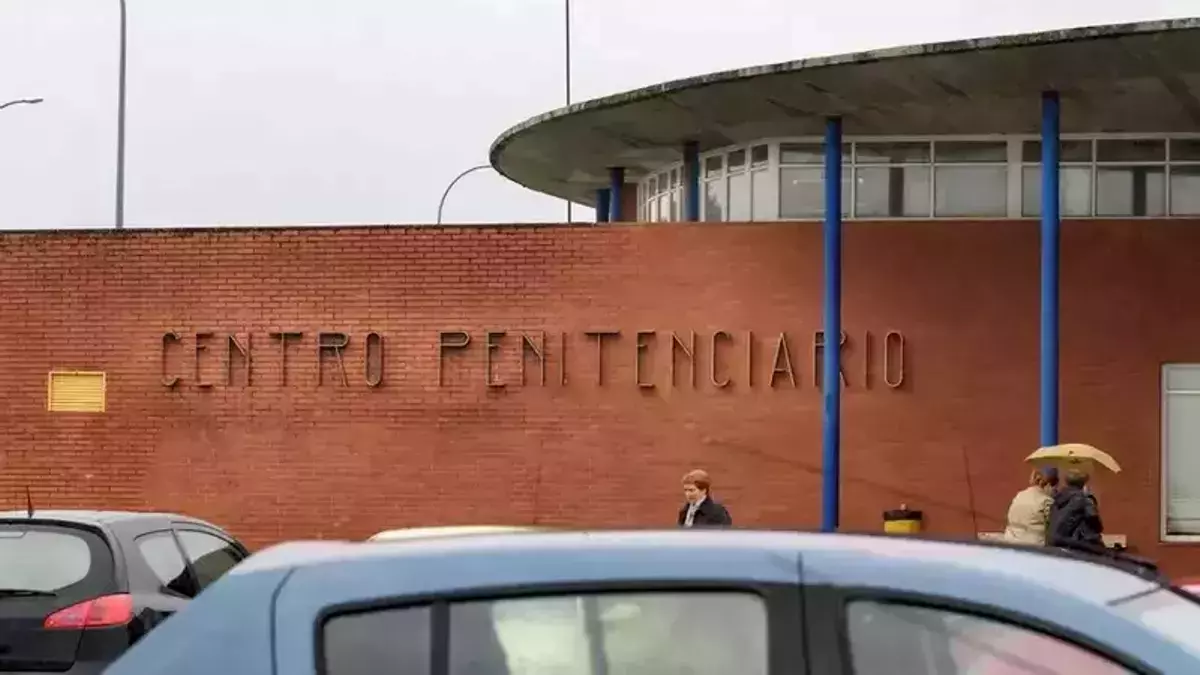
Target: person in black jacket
{"points": [[1075, 514], [700, 509]]}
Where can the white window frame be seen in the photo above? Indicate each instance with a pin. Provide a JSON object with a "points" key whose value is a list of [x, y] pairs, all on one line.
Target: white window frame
{"points": [[1014, 163], [1164, 467]]}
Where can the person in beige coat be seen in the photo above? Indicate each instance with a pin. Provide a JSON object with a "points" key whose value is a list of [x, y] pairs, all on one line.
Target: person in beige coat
{"points": [[1029, 512]]}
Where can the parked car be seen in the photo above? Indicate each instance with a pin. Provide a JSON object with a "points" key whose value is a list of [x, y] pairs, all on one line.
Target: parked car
{"points": [[409, 533], [753, 603], [1190, 585], [78, 588]]}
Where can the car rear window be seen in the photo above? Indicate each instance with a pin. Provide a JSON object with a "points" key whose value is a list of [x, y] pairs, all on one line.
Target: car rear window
{"points": [[52, 558]]}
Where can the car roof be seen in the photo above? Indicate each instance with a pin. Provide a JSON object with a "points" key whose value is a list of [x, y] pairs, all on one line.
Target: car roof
{"points": [[93, 517], [410, 533], [832, 558]]}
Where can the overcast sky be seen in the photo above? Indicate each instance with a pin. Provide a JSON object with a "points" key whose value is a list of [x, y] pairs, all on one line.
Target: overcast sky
{"points": [[247, 112]]}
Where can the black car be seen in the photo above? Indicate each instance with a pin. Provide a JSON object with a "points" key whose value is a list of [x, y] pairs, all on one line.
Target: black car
{"points": [[78, 588]]}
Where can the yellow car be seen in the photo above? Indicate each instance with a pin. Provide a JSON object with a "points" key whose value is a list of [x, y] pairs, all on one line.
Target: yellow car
{"points": [[447, 531]]}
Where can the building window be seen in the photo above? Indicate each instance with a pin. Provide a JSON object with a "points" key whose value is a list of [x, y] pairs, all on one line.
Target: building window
{"points": [[935, 178], [1131, 177], [802, 192], [1074, 179], [1181, 449], [892, 180], [802, 180], [1185, 177], [970, 179]]}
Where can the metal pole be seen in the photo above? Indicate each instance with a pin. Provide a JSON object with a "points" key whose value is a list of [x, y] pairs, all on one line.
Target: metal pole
{"points": [[831, 336], [21, 101], [616, 185], [567, 15], [120, 216], [1050, 259], [691, 186], [457, 178], [602, 205]]}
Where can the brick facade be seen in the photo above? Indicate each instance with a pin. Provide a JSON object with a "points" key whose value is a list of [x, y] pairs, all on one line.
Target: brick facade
{"points": [[273, 460]]}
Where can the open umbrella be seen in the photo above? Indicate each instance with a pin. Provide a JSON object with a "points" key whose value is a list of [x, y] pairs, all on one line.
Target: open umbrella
{"points": [[1070, 455]]}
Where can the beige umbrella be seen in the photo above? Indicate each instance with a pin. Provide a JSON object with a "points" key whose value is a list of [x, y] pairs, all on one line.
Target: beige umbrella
{"points": [[1074, 455]]}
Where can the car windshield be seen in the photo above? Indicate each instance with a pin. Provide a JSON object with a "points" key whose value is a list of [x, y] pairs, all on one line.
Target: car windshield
{"points": [[1168, 613], [42, 559]]}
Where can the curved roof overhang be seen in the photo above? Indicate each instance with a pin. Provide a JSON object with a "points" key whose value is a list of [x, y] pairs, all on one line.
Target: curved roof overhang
{"points": [[1128, 78]]}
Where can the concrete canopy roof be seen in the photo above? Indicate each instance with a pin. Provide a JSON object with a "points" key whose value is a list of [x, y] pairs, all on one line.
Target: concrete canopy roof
{"points": [[1142, 77]]}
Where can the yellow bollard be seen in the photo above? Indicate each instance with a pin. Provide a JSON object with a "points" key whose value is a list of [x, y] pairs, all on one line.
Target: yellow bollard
{"points": [[902, 521]]}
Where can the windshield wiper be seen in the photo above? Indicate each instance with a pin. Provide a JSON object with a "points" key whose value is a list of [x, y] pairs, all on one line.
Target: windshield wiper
{"points": [[25, 593]]}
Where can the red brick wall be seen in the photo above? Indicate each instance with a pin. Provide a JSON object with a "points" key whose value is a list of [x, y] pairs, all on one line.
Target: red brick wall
{"points": [[273, 461]]}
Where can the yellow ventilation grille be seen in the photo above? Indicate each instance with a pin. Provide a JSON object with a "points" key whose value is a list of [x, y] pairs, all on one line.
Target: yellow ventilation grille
{"points": [[74, 391]]}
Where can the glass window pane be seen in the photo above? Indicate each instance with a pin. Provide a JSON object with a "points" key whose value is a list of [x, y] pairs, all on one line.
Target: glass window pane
{"points": [[1185, 150], [1130, 191], [892, 153], [1068, 151], [759, 155], [1138, 150], [388, 641], [971, 191], [739, 197], [714, 200], [887, 638], [895, 192], [1183, 377], [161, 553], [763, 200], [802, 192], [808, 153], [712, 165], [1185, 190], [211, 557], [664, 208], [675, 206], [1183, 463], [737, 160], [970, 151], [1074, 191], [611, 633], [653, 190], [674, 178]]}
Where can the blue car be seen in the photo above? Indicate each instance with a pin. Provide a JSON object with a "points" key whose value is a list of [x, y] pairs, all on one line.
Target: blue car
{"points": [[695, 602]]}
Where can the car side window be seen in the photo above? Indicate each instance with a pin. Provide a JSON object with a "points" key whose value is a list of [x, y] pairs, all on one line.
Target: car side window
{"points": [[380, 641], [695, 632], [211, 556], [903, 639], [161, 553]]}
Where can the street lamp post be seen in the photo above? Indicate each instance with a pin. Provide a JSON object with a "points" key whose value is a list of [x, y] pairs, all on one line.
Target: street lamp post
{"points": [[21, 101], [120, 216], [464, 174]]}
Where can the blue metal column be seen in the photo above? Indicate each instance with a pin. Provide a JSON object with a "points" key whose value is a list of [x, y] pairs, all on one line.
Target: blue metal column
{"points": [[602, 205], [1050, 242], [831, 378], [691, 182], [616, 181]]}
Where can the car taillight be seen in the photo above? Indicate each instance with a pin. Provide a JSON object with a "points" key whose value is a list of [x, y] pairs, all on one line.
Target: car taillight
{"points": [[102, 612]]}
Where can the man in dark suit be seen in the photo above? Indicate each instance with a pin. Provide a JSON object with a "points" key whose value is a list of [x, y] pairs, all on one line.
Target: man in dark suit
{"points": [[700, 509]]}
